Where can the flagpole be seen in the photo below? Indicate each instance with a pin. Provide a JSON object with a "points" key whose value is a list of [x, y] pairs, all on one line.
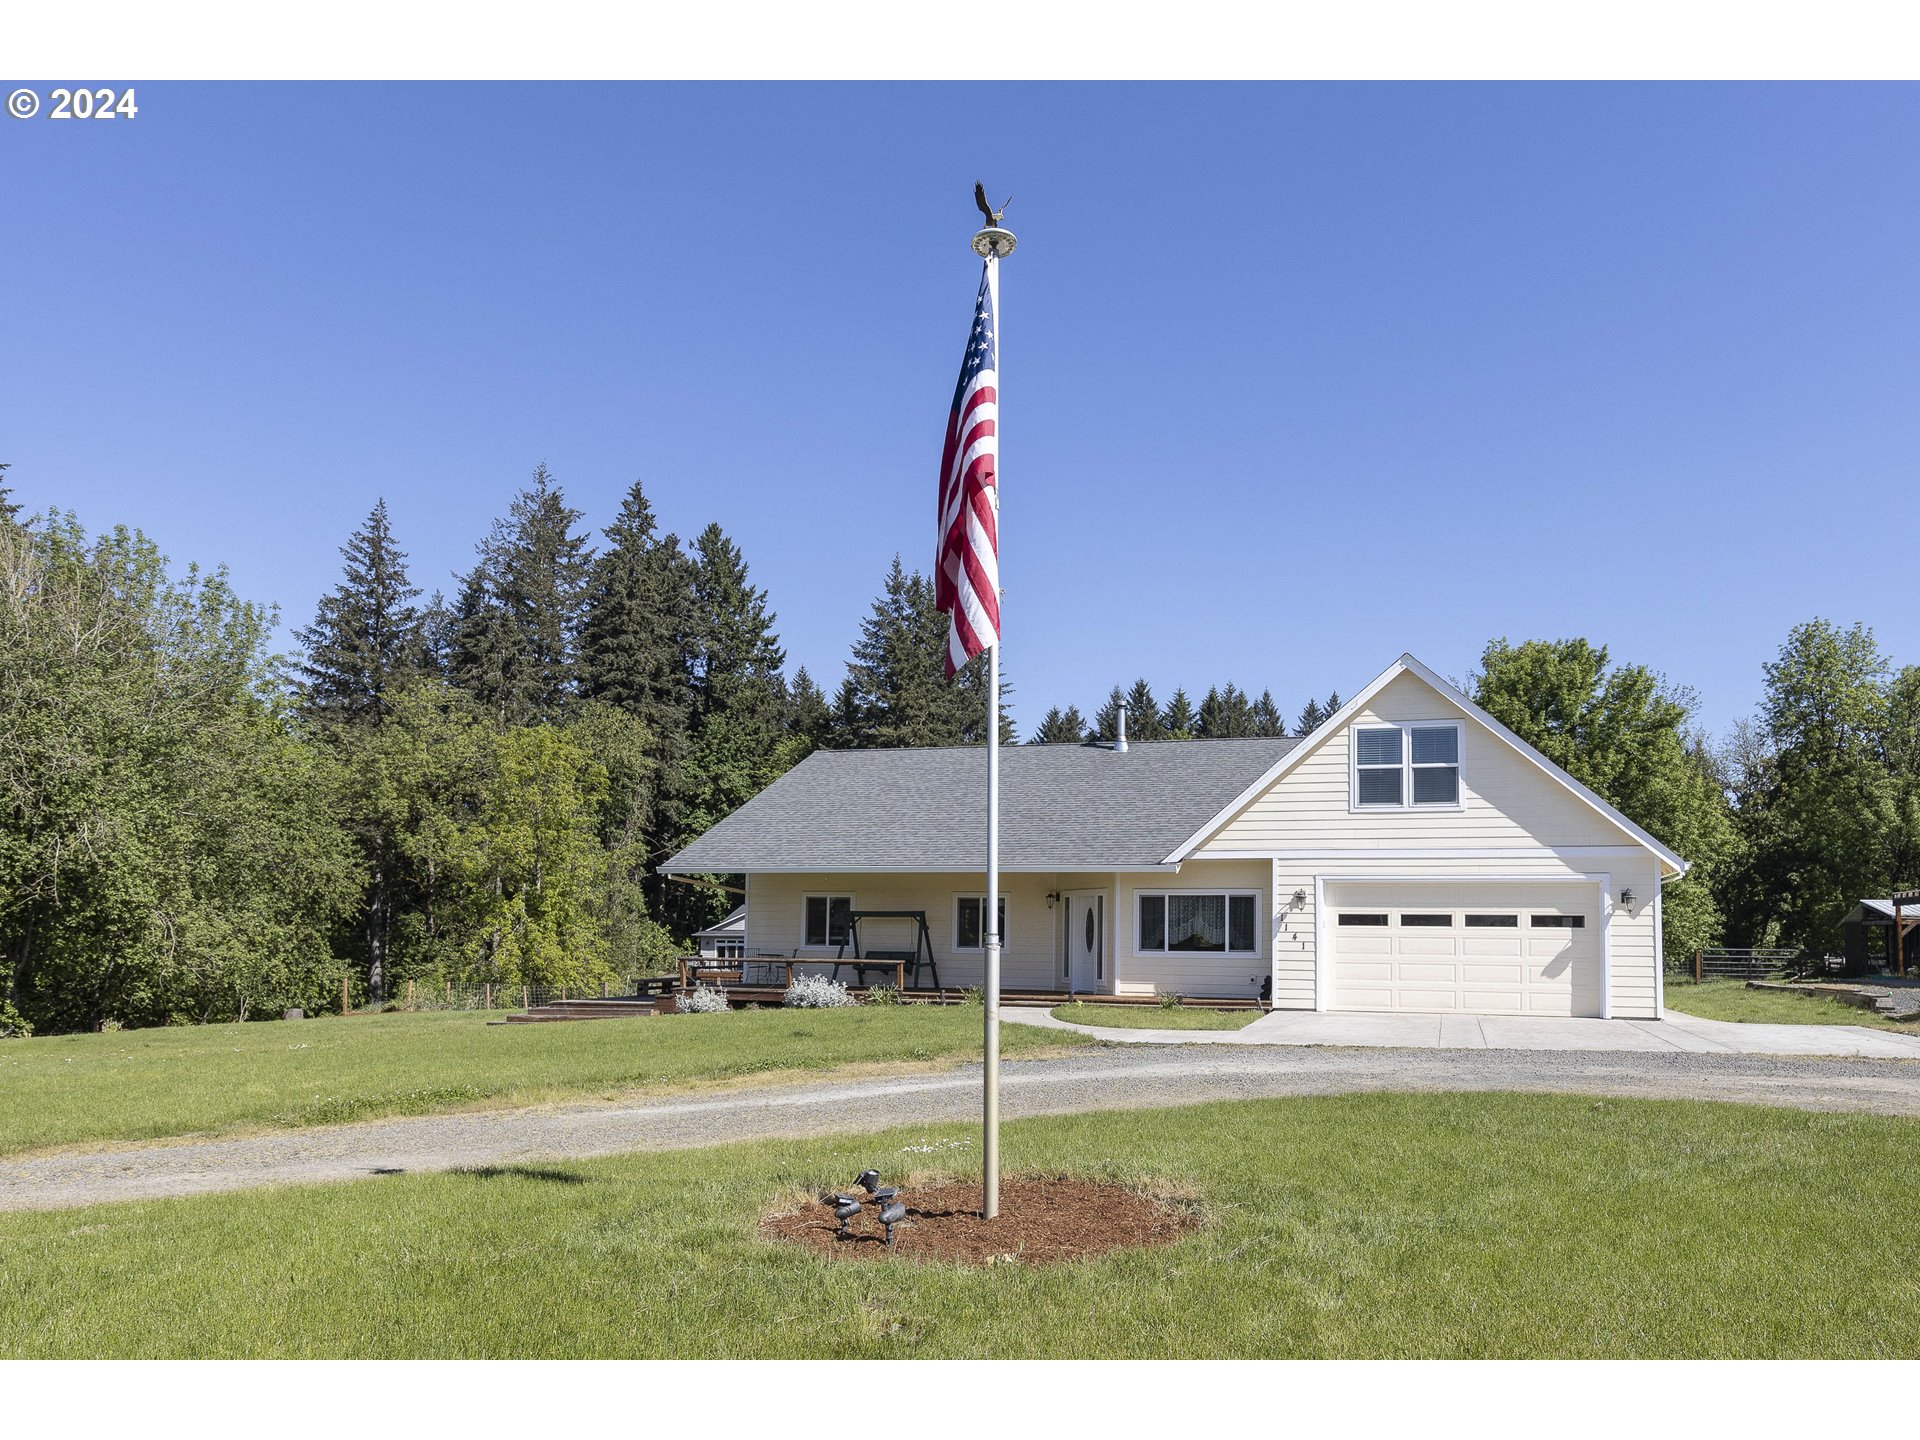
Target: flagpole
{"points": [[992, 244]]}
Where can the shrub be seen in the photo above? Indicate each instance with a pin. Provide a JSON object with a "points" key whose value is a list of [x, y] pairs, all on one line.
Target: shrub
{"points": [[974, 996], [13, 1025], [817, 992], [1169, 1002], [704, 1000], [110, 1026], [883, 995]]}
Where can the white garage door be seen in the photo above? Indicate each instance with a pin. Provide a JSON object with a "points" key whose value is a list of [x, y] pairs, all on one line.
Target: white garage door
{"points": [[1474, 949]]}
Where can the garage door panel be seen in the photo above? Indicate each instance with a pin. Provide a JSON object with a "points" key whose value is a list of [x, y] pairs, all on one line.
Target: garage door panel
{"points": [[1482, 944], [1491, 1002], [1424, 972], [1487, 968]]}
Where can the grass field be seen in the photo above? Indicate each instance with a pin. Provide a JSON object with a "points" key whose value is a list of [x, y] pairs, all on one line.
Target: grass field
{"points": [[1732, 1000], [1365, 1225], [1154, 1017], [143, 1084]]}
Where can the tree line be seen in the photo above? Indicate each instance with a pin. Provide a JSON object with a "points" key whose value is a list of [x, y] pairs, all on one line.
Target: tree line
{"points": [[481, 789]]}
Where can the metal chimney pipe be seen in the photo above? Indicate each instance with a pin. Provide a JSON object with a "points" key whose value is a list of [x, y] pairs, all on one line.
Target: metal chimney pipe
{"points": [[1120, 744]]}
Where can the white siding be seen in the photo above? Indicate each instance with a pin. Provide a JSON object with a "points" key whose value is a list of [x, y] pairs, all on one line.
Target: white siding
{"points": [[1506, 800], [1216, 975], [1030, 954]]}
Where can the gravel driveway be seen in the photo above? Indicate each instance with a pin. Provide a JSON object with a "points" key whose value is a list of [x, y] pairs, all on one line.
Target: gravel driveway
{"points": [[1104, 1080]]}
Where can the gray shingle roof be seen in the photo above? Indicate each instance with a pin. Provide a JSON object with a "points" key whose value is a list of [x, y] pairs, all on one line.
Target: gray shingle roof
{"points": [[1062, 807]]}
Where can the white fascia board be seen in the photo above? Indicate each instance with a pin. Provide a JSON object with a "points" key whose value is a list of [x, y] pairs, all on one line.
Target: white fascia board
{"points": [[1405, 665]]}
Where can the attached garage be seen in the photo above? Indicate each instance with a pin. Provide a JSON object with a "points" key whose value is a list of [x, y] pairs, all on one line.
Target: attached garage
{"points": [[1514, 948]]}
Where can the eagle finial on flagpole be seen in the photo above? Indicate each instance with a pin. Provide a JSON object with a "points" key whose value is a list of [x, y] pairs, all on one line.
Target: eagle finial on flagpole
{"points": [[994, 242]]}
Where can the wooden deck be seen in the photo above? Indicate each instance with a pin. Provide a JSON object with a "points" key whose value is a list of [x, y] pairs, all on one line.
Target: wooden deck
{"points": [[771, 996]]}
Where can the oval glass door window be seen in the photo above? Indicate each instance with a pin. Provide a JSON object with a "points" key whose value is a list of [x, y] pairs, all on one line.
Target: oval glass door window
{"points": [[1089, 931]]}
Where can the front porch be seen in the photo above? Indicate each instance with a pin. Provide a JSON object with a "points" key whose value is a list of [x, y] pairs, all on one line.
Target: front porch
{"points": [[762, 980]]}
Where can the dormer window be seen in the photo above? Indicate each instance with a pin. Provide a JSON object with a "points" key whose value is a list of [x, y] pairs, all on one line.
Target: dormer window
{"points": [[1410, 766]]}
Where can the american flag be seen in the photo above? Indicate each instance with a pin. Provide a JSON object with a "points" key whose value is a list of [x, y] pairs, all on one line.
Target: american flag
{"points": [[967, 574]]}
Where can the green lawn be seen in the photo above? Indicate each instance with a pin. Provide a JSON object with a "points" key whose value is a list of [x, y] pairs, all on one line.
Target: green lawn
{"points": [[1732, 1000], [141, 1084], [1363, 1225], [1154, 1017]]}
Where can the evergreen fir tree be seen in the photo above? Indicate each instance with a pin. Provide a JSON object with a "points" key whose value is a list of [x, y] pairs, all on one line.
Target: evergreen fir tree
{"points": [[1061, 727], [1178, 722], [518, 621], [1331, 705], [366, 639], [1226, 714], [1143, 712], [1106, 720], [897, 692], [1266, 716], [637, 646], [436, 635], [1311, 716], [636, 640], [9, 507], [849, 729], [809, 717], [1212, 719]]}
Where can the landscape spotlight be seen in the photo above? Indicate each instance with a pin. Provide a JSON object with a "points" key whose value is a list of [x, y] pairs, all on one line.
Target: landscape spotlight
{"points": [[885, 1193], [895, 1212], [868, 1180], [845, 1207]]}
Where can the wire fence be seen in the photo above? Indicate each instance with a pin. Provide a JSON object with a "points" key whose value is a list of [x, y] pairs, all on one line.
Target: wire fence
{"points": [[1739, 964]]}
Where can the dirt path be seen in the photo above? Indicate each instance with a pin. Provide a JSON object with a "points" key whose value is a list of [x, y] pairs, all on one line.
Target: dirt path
{"points": [[1104, 1080]]}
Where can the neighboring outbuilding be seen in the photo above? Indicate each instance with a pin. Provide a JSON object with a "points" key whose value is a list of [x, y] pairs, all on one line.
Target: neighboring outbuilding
{"points": [[726, 938], [1411, 854], [1879, 934]]}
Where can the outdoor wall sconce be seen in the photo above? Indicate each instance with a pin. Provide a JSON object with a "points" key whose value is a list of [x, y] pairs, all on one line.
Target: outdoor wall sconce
{"points": [[1626, 899], [1053, 898], [1299, 898]]}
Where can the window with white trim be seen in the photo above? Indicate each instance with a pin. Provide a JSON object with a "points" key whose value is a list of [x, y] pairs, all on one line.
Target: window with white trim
{"points": [[1411, 766], [967, 910], [1196, 922], [827, 920]]}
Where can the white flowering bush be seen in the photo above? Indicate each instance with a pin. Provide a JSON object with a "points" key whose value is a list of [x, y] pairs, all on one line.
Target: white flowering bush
{"points": [[817, 992], [703, 1000]]}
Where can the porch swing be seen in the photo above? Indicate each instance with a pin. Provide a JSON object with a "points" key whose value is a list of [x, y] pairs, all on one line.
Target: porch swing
{"points": [[904, 965]]}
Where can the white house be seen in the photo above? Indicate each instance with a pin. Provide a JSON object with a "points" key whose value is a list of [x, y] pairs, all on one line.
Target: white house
{"points": [[1410, 854], [726, 938]]}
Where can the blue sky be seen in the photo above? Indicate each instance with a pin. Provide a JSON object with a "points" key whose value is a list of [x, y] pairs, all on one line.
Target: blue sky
{"points": [[1295, 377]]}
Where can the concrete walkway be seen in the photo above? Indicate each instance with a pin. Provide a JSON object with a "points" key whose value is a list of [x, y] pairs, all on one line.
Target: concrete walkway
{"points": [[1502, 1032]]}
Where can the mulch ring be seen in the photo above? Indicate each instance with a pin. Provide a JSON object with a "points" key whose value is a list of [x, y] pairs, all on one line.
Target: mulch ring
{"points": [[1041, 1222]]}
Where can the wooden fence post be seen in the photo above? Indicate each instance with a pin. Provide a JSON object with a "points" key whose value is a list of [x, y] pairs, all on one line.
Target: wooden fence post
{"points": [[526, 998], [449, 992], [409, 994], [346, 1006], [489, 995], [605, 989], [1696, 967]]}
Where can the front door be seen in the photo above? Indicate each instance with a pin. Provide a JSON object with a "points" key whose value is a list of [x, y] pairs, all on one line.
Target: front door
{"points": [[1086, 941]]}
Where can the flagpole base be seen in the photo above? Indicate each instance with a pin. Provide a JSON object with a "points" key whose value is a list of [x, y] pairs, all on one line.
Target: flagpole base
{"points": [[994, 243]]}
